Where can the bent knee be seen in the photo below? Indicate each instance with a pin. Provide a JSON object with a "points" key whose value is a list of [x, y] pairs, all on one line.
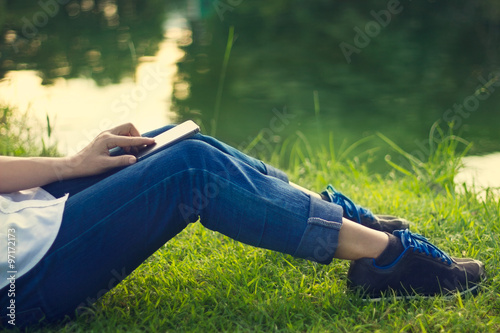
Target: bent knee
{"points": [[189, 153], [195, 151]]}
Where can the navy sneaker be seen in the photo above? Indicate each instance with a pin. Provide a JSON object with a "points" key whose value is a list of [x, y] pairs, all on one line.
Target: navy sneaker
{"points": [[364, 216], [422, 269]]}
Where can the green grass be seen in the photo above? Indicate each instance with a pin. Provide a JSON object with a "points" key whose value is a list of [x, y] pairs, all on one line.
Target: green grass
{"points": [[21, 135], [205, 282]]}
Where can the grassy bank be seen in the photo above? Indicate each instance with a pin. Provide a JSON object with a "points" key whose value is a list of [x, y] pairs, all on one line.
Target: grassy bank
{"points": [[22, 135], [202, 281]]}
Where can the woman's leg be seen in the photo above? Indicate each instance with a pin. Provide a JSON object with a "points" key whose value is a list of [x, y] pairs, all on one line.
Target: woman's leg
{"points": [[111, 227], [74, 186], [227, 149]]}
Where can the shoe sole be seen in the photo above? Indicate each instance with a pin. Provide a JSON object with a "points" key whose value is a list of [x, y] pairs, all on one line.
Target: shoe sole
{"points": [[450, 296]]}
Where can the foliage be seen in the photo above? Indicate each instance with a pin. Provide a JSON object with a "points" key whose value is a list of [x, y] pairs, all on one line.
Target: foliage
{"points": [[203, 281], [99, 39], [406, 74], [440, 163], [22, 136]]}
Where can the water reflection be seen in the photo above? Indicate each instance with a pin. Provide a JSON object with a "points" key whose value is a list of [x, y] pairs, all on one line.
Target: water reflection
{"points": [[480, 171], [410, 65], [98, 39], [316, 67], [82, 107]]}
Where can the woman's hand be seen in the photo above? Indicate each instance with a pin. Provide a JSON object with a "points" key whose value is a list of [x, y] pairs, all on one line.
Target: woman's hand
{"points": [[95, 158], [20, 173]]}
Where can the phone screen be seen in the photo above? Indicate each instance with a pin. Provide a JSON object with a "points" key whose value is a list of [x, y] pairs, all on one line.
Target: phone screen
{"points": [[170, 137]]}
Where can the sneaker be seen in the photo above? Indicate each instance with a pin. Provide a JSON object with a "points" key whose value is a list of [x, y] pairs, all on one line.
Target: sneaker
{"points": [[364, 216], [422, 269]]}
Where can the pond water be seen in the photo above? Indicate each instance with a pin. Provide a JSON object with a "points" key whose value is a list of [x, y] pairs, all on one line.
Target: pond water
{"points": [[481, 171], [242, 68], [79, 108]]}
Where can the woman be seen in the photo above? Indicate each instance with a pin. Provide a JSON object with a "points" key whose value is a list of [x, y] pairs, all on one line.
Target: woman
{"points": [[87, 221]]}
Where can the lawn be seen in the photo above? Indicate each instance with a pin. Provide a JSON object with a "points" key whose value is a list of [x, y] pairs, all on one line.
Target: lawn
{"points": [[203, 281]]}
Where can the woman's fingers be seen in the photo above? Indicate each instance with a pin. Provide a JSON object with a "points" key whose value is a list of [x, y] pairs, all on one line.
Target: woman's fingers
{"points": [[95, 158], [125, 136], [113, 141], [127, 129]]}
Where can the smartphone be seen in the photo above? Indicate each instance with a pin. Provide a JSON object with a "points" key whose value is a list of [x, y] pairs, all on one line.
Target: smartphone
{"points": [[169, 137]]}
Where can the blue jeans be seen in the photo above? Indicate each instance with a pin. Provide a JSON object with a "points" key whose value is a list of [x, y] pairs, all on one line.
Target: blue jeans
{"points": [[113, 222]]}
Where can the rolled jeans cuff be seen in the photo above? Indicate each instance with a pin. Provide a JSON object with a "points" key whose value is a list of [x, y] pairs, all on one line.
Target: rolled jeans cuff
{"points": [[276, 173], [321, 236]]}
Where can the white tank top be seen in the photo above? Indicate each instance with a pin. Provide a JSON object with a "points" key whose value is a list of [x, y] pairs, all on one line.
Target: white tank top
{"points": [[29, 223]]}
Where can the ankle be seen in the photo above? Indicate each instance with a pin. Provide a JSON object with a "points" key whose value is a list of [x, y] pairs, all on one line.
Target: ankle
{"points": [[357, 241], [391, 252]]}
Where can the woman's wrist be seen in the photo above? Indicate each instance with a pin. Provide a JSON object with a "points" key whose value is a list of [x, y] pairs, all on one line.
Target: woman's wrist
{"points": [[77, 166], [67, 167]]}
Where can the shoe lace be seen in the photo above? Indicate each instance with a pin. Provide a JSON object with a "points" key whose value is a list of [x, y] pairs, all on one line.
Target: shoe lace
{"points": [[421, 244], [351, 210], [347, 204]]}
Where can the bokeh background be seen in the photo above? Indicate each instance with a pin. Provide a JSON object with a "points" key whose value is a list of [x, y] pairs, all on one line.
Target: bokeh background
{"points": [[269, 69]]}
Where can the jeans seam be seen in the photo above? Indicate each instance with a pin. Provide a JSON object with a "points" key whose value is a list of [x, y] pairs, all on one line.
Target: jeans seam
{"points": [[324, 223]]}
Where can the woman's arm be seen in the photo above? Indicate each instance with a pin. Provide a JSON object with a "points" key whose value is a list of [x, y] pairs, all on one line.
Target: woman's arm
{"points": [[18, 173]]}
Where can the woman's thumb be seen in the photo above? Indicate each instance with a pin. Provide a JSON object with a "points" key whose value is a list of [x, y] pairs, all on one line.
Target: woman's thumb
{"points": [[124, 160], [131, 159]]}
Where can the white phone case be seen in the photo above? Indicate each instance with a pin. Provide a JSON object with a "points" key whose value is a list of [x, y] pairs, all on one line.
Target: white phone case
{"points": [[170, 137]]}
